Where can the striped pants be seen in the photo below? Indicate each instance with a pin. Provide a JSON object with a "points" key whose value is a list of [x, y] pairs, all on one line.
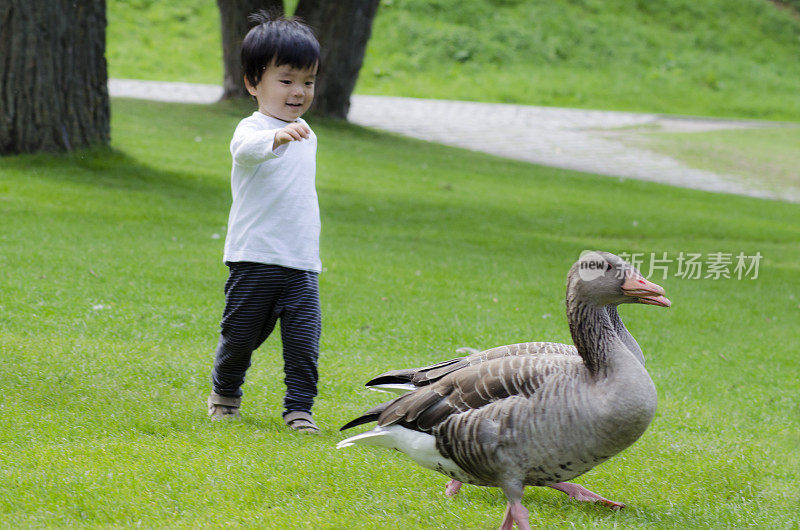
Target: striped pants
{"points": [[256, 296]]}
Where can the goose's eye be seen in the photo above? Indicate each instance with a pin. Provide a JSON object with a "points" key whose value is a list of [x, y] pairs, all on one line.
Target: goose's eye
{"points": [[608, 267]]}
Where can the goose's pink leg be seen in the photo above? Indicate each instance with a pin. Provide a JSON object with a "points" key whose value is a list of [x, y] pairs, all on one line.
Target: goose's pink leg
{"points": [[452, 487], [515, 513], [579, 493]]}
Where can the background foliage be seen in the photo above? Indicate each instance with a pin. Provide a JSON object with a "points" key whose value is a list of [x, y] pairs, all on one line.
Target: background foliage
{"points": [[710, 57]]}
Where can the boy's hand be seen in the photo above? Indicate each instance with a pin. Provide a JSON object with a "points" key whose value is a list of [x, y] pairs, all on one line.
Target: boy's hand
{"points": [[292, 132]]}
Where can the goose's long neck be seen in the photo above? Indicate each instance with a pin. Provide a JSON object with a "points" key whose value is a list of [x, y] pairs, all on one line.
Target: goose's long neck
{"points": [[593, 333], [623, 333]]}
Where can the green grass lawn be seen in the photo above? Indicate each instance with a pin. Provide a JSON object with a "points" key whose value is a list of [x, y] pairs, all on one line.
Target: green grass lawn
{"points": [[112, 293], [705, 57]]}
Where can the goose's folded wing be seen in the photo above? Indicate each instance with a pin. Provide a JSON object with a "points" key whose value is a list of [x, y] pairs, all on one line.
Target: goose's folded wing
{"points": [[523, 348], [473, 388], [426, 375]]}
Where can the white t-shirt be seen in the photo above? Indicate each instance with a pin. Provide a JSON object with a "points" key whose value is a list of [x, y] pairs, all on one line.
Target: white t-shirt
{"points": [[274, 216]]}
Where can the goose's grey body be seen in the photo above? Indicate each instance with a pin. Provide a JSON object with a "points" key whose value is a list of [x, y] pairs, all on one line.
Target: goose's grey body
{"points": [[537, 415], [547, 419]]}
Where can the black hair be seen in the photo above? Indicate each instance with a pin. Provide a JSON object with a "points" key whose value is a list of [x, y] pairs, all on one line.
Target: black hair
{"points": [[279, 40]]}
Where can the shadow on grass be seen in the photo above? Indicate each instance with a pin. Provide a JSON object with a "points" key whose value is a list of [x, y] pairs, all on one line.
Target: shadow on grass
{"points": [[107, 167]]}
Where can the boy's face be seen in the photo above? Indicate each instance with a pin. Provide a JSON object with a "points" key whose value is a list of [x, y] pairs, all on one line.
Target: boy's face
{"points": [[284, 92]]}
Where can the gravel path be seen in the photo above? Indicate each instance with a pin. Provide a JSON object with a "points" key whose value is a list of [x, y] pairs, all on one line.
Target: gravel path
{"points": [[583, 140]]}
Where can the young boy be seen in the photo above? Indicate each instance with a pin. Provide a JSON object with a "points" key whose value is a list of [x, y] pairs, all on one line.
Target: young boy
{"points": [[272, 245]]}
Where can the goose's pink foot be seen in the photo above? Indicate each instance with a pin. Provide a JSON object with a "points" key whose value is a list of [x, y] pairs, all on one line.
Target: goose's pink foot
{"points": [[452, 487], [579, 493], [515, 513]]}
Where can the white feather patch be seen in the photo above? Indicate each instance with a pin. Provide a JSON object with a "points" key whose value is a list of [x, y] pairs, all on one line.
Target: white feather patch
{"points": [[419, 446], [394, 388]]}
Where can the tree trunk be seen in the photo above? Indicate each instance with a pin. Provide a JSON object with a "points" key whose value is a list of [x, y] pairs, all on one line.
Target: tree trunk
{"points": [[233, 15], [53, 79], [343, 28]]}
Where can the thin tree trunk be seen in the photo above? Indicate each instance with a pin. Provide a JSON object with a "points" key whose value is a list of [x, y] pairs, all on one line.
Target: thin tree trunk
{"points": [[233, 15], [53, 78], [343, 28]]}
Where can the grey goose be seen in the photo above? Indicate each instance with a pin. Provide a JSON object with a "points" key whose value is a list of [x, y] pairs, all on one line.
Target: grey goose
{"points": [[533, 416]]}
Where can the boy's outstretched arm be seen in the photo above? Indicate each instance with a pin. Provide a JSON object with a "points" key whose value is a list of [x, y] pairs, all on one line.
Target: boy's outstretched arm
{"points": [[292, 132]]}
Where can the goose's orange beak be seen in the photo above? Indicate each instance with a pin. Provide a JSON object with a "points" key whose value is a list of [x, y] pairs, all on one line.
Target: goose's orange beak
{"points": [[645, 291]]}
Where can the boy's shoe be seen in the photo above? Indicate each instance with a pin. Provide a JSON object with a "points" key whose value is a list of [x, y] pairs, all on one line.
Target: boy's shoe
{"points": [[301, 422], [222, 407]]}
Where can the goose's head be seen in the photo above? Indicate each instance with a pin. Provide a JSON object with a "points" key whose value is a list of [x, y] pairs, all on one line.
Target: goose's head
{"points": [[602, 279]]}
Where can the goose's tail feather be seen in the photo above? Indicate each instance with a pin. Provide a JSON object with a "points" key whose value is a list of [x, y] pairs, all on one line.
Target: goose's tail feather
{"points": [[393, 377], [373, 437], [424, 375], [371, 415], [394, 388]]}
